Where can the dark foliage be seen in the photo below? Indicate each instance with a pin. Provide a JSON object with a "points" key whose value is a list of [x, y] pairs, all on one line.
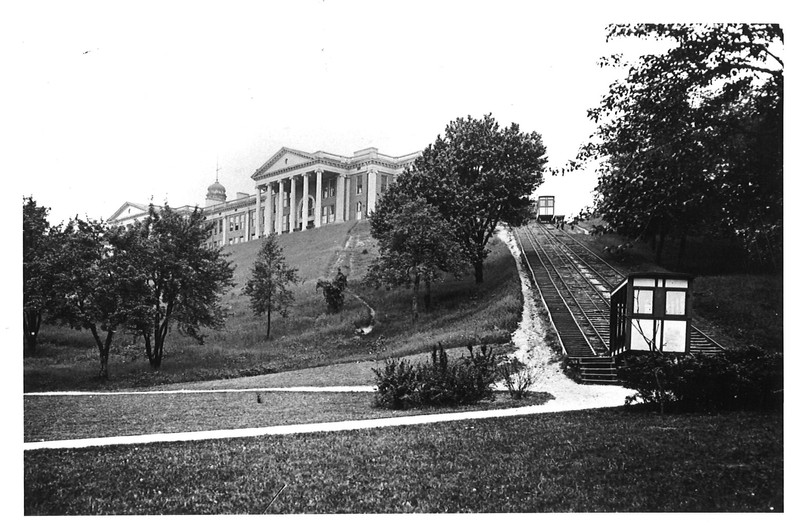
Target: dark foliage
{"points": [[690, 140], [438, 383], [268, 285], [478, 175], [333, 291], [743, 379]]}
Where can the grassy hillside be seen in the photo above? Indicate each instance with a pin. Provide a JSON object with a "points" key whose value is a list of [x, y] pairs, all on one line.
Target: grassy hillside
{"points": [[310, 337]]}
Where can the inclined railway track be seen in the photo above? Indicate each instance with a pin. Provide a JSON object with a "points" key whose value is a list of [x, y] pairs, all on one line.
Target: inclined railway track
{"points": [[576, 284]]}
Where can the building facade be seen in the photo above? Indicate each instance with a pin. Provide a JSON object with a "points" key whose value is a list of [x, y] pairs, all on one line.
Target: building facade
{"points": [[294, 191]]}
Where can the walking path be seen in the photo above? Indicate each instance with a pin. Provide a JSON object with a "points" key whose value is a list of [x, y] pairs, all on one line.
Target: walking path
{"points": [[530, 348]]}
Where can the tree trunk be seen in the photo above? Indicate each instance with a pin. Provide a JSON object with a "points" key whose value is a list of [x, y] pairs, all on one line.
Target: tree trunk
{"points": [[104, 347], [103, 366], [682, 248], [269, 320], [148, 347], [31, 320], [414, 297], [478, 265], [660, 248], [427, 298]]}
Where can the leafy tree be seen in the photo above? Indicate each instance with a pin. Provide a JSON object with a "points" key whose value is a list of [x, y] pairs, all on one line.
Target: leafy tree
{"points": [[97, 285], [268, 286], [39, 244], [477, 176], [185, 279], [415, 245], [691, 139], [333, 291]]}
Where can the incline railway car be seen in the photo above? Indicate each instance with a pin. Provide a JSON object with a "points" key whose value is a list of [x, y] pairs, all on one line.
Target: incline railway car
{"points": [[545, 208], [651, 312]]}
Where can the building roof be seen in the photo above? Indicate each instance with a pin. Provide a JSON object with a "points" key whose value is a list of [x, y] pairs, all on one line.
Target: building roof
{"points": [[295, 159]]}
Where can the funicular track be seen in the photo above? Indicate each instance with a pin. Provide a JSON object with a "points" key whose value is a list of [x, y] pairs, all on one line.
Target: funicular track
{"points": [[575, 284]]}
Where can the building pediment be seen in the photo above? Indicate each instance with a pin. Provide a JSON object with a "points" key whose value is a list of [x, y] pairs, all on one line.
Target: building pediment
{"points": [[284, 159], [128, 210]]}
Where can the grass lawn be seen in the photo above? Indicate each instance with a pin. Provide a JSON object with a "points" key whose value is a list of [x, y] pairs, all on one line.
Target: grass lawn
{"points": [[588, 461], [80, 417]]}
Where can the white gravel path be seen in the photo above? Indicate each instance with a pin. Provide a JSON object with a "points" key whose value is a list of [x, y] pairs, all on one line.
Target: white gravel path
{"points": [[530, 348]]}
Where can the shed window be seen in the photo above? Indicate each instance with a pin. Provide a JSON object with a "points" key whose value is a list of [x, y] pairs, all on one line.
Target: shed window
{"points": [[674, 336], [642, 334], [676, 303], [643, 301]]}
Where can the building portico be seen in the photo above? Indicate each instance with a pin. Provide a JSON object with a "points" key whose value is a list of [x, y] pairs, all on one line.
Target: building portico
{"points": [[296, 190]]}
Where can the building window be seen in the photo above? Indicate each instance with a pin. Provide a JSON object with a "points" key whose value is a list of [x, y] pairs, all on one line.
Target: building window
{"points": [[333, 190], [359, 185], [325, 193], [384, 183]]}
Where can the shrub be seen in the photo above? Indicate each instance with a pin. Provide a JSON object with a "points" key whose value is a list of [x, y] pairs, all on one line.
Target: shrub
{"points": [[396, 383], [746, 378], [518, 377], [439, 382], [333, 291]]}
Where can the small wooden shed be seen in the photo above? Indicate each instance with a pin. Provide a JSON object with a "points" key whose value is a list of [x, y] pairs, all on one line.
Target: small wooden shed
{"points": [[651, 312]]}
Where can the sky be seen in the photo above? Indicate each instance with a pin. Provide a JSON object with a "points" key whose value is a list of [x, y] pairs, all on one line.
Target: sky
{"points": [[115, 102], [150, 101]]}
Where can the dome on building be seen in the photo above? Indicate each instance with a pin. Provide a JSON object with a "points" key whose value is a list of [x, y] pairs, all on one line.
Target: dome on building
{"points": [[216, 194]]}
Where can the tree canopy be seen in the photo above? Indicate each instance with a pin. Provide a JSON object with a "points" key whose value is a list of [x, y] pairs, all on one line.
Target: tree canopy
{"points": [[38, 269], [415, 244], [268, 285], [97, 286], [185, 278], [691, 138], [476, 176]]}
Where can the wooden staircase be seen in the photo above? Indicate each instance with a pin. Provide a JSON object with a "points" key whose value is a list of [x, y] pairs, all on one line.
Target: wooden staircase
{"points": [[596, 370]]}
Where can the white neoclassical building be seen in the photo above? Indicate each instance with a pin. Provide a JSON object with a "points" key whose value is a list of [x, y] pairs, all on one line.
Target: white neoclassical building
{"points": [[294, 191]]}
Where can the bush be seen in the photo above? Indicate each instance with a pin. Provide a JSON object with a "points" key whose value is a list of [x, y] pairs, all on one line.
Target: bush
{"points": [[518, 378], [746, 378], [333, 291], [440, 382]]}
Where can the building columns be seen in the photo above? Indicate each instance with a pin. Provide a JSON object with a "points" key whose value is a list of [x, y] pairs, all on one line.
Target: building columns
{"points": [[372, 192], [292, 203], [224, 230], [346, 211], [280, 207], [268, 211], [339, 198], [247, 225], [318, 201], [304, 202], [258, 212]]}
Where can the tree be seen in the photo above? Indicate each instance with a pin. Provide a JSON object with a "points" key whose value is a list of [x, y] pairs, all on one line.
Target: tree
{"points": [[333, 291], [39, 243], [185, 279], [268, 286], [415, 244], [97, 285], [477, 176], [691, 139]]}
